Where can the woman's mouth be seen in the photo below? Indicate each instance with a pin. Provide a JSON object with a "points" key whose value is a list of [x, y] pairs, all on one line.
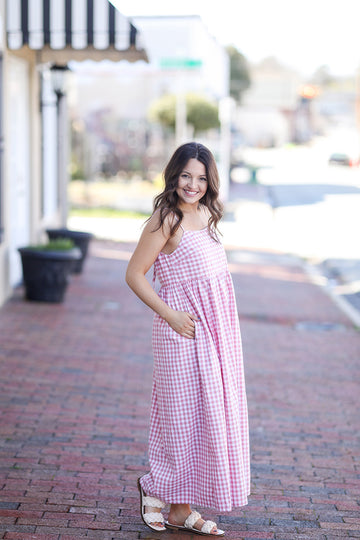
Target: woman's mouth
{"points": [[190, 193]]}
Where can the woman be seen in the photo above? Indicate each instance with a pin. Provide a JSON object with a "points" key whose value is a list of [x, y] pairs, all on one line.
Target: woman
{"points": [[198, 445]]}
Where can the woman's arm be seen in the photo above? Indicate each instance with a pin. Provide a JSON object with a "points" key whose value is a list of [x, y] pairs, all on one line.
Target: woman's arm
{"points": [[144, 256], [150, 244]]}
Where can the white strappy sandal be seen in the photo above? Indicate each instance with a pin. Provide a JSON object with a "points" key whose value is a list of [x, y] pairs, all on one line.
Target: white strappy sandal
{"points": [[149, 518], [189, 526]]}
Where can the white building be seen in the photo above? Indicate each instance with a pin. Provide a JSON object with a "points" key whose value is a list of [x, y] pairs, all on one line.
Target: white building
{"points": [[183, 57], [182, 52], [266, 115]]}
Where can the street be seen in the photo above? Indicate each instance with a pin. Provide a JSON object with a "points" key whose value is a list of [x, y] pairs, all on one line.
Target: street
{"points": [[315, 211], [316, 205]]}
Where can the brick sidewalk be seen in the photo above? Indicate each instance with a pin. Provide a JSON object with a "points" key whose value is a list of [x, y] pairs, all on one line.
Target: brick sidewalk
{"points": [[74, 401]]}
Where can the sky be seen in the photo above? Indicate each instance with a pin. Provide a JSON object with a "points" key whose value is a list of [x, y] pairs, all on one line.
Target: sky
{"points": [[303, 34]]}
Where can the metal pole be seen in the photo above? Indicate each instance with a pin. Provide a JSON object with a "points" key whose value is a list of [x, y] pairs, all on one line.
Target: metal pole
{"points": [[180, 125], [180, 113], [226, 106]]}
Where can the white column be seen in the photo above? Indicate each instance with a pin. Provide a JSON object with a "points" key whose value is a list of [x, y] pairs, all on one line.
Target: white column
{"points": [[63, 156]]}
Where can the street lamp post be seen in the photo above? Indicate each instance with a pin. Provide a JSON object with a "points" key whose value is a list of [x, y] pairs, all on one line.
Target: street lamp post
{"points": [[58, 79], [180, 66]]}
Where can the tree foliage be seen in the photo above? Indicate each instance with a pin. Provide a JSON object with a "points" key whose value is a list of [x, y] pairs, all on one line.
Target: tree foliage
{"points": [[239, 73], [163, 110], [201, 113], [322, 76]]}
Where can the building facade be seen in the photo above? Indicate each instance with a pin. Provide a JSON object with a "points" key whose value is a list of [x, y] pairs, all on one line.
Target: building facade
{"points": [[34, 37]]}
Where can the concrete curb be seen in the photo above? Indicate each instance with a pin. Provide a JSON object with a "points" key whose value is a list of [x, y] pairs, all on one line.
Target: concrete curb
{"points": [[318, 279]]}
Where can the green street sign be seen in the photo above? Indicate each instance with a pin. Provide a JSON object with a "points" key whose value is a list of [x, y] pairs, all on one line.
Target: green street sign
{"points": [[180, 63]]}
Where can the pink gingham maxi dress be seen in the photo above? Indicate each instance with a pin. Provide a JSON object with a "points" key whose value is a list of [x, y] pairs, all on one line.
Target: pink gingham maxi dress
{"points": [[198, 443]]}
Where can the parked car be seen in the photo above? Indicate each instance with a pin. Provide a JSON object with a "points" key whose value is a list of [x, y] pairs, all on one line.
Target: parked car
{"points": [[339, 158]]}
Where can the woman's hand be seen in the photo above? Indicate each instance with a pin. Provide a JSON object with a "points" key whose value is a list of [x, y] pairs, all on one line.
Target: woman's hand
{"points": [[183, 323]]}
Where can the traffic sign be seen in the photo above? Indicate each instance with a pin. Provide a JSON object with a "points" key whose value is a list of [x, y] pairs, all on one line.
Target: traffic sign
{"points": [[180, 63]]}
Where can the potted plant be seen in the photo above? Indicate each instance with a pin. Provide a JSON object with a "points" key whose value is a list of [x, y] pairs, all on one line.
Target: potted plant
{"points": [[46, 268], [80, 239]]}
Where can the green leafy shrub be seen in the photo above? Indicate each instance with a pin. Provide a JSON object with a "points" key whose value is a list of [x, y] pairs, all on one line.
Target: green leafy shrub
{"points": [[58, 244], [201, 113]]}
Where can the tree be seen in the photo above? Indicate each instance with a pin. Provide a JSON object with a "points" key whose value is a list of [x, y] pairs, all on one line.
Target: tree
{"points": [[239, 73], [201, 113], [322, 76], [163, 110]]}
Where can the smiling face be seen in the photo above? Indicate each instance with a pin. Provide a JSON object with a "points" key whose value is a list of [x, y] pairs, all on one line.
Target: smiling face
{"points": [[192, 183]]}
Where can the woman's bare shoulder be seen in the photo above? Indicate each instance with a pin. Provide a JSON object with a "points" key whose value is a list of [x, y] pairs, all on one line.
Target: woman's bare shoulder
{"points": [[165, 224]]}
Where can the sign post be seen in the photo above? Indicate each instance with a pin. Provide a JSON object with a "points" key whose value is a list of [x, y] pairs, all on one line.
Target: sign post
{"points": [[180, 65]]}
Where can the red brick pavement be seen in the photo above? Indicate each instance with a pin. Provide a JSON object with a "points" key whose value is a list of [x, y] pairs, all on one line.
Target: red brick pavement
{"points": [[74, 404]]}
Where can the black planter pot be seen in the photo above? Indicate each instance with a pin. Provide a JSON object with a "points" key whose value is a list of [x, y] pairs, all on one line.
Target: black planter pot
{"points": [[46, 273], [80, 239]]}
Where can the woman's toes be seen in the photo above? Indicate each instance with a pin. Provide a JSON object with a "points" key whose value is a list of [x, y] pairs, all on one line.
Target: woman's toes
{"points": [[150, 509], [199, 524]]}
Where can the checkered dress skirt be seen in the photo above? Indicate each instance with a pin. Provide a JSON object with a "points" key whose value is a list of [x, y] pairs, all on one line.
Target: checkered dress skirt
{"points": [[199, 442]]}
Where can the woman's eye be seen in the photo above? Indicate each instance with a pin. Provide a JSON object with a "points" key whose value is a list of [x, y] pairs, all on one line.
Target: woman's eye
{"points": [[184, 176], [203, 179]]}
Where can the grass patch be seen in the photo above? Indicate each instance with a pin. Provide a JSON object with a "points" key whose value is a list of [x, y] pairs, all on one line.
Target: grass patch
{"points": [[57, 244], [104, 212]]}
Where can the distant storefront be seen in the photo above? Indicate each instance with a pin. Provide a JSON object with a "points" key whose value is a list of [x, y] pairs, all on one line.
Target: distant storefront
{"points": [[34, 36]]}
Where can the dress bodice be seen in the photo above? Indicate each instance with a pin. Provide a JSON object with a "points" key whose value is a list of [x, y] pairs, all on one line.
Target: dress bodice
{"points": [[197, 257]]}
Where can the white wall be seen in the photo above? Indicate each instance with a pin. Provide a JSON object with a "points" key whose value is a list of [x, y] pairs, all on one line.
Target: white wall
{"points": [[21, 168], [3, 251], [17, 172]]}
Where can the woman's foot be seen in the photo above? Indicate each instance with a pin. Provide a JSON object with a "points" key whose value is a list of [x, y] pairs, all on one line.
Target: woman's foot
{"points": [[181, 516], [150, 509]]}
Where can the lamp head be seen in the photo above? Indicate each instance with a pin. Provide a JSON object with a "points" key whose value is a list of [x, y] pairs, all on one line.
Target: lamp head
{"points": [[58, 78]]}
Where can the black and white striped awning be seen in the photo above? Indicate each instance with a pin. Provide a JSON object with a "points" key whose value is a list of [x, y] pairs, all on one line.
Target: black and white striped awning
{"points": [[64, 30]]}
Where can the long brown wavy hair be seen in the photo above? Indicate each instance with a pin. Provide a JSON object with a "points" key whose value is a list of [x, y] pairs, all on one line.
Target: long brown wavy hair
{"points": [[167, 200]]}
